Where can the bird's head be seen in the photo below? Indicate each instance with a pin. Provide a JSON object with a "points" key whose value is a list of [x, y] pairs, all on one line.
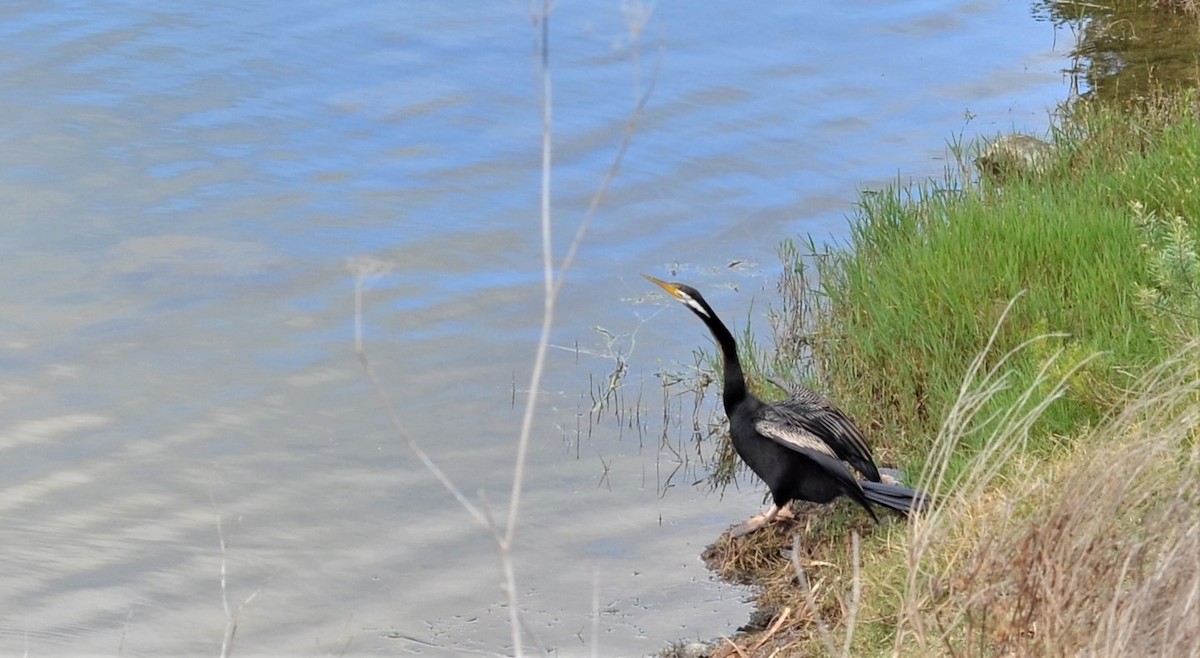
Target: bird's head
{"points": [[688, 295]]}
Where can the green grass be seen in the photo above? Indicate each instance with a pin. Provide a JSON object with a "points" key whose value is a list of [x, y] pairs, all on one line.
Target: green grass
{"points": [[928, 271]]}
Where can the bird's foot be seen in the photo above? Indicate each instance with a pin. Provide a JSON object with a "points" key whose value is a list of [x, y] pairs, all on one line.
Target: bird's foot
{"points": [[759, 521], [756, 522]]}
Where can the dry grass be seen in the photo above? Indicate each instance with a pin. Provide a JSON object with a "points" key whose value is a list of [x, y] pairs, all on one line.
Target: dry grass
{"points": [[814, 550], [1185, 7], [1096, 554]]}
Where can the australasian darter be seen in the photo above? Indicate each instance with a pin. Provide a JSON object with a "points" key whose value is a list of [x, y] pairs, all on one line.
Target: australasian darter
{"points": [[798, 445]]}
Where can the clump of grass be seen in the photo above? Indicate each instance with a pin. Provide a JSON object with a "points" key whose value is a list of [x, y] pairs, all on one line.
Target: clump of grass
{"points": [[1090, 554], [929, 269], [805, 593], [1186, 7]]}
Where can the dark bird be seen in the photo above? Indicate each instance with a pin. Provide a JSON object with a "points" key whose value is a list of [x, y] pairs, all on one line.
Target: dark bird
{"points": [[797, 446]]}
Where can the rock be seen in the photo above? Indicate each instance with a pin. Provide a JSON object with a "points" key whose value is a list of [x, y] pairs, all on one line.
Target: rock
{"points": [[689, 650], [1015, 155], [891, 476]]}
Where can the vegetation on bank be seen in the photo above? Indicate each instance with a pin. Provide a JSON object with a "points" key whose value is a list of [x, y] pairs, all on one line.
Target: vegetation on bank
{"points": [[1099, 246], [1026, 344]]}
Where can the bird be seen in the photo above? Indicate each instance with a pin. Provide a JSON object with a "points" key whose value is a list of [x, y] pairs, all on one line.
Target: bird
{"points": [[798, 446]]}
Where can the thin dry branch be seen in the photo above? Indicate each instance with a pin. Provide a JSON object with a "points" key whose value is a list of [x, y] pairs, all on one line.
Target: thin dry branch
{"points": [[367, 269], [775, 626], [855, 594], [810, 599], [231, 613]]}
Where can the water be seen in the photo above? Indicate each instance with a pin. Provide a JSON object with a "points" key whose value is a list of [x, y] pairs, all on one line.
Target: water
{"points": [[182, 188]]}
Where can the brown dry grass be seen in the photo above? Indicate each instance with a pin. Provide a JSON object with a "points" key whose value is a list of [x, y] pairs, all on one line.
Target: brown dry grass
{"points": [[819, 544], [1185, 7], [1095, 554]]}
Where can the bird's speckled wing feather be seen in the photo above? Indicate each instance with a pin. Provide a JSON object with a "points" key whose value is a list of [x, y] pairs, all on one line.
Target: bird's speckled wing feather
{"points": [[812, 414], [790, 435]]}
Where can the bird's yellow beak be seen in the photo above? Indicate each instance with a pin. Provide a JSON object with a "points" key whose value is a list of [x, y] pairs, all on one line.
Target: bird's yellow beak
{"points": [[671, 288]]}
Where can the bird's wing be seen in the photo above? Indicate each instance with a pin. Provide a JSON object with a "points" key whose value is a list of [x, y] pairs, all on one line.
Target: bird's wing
{"points": [[812, 413], [832, 471], [791, 436]]}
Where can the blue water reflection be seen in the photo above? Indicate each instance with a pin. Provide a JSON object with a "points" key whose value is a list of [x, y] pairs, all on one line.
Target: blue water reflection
{"points": [[183, 184]]}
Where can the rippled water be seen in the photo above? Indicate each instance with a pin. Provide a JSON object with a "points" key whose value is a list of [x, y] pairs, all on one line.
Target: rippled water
{"points": [[183, 184]]}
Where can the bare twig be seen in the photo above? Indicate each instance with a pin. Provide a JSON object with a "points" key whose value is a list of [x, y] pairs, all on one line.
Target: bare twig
{"points": [[822, 629], [595, 613], [552, 283], [398, 427], [609, 176], [231, 614], [787, 611], [230, 620], [124, 632], [736, 648], [855, 595]]}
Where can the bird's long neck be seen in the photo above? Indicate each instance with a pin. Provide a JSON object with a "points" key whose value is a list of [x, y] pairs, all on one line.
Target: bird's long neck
{"points": [[735, 380]]}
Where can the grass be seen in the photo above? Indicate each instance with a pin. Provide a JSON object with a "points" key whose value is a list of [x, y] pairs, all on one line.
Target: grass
{"points": [[1064, 461], [1092, 552], [929, 270]]}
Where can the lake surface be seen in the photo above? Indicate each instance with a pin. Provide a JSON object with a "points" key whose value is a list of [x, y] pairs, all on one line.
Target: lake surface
{"points": [[183, 185]]}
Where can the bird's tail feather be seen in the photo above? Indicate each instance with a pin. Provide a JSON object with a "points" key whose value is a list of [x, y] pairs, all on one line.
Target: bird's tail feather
{"points": [[894, 496]]}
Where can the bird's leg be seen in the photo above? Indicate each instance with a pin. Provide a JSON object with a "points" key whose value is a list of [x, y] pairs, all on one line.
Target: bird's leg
{"points": [[761, 521]]}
